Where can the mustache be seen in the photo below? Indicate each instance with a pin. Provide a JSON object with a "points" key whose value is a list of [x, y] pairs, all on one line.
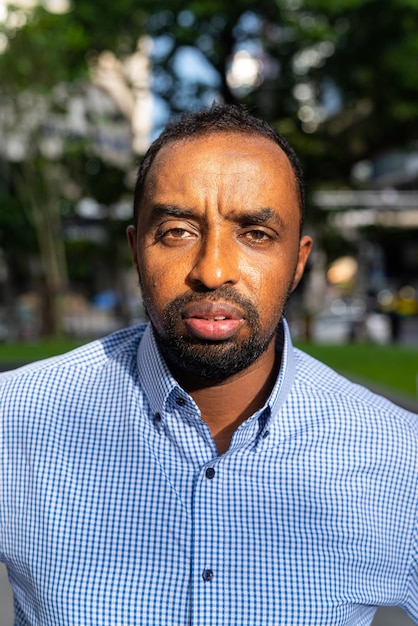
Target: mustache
{"points": [[225, 293]]}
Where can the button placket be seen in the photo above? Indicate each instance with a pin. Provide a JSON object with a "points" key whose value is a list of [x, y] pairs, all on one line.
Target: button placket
{"points": [[158, 422], [210, 473], [207, 575]]}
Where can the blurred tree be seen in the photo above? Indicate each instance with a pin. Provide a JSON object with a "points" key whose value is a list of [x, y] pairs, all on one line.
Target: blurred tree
{"points": [[336, 77], [331, 74], [58, 136]]}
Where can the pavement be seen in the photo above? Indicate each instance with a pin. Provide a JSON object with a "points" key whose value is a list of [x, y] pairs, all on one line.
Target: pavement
{"points": [[6, 599]]}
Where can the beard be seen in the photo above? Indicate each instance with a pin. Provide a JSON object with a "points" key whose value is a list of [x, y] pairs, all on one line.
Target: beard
{"points": [[214, 361]]}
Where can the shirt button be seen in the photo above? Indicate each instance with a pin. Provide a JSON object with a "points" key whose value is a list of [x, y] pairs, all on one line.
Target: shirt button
{"points": [[207, 575], [210, 473], [180, 401]]}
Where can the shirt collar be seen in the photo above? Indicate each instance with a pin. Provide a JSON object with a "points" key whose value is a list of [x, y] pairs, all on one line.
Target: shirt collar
{"points": [[158, 383], [287, 371], [154, 375]]}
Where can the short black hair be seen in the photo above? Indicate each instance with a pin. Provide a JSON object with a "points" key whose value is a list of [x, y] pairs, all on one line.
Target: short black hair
{"points": [[217, 118]]}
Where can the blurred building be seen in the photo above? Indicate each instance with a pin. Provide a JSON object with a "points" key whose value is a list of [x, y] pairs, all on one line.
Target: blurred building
{"points": [[380, 222]]}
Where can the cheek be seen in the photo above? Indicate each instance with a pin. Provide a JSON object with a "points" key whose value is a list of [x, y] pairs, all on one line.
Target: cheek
{"points": [[271, 288], [153, 284], [160, 263], [159, 281], [148, 279]]}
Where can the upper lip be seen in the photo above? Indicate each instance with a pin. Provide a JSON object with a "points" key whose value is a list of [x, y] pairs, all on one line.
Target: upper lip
{"points": [[211, 310]]}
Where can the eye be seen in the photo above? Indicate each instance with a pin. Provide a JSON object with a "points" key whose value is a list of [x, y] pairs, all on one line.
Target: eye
{"points": [[257, 236], [177, 233], [171, 234]]}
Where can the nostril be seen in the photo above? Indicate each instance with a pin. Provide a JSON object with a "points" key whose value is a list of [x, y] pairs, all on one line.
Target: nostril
{"points": [[214, 269]]}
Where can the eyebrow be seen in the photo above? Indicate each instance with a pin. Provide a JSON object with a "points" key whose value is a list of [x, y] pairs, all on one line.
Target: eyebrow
{"points": [[259, 216], [168, 210]]}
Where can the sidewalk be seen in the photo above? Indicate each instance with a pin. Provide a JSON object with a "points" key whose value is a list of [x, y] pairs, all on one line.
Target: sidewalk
{"points": [[6, 600]]}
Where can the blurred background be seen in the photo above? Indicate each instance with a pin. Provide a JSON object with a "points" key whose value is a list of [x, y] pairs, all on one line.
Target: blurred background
{"points": [[85, 87]]}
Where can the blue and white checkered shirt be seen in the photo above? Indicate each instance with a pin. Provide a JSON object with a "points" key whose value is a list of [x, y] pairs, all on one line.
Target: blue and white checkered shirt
{"points": [[115, 509]]}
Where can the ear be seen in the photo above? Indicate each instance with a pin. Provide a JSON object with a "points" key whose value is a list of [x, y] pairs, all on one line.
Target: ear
{"points": [[132, 241], [305, 246]]}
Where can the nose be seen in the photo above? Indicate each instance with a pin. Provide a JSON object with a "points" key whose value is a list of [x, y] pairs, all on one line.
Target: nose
{"points": [[216, 264]]}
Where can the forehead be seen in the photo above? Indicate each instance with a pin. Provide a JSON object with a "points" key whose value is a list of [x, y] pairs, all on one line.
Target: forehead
{"points": [[227, 164]]}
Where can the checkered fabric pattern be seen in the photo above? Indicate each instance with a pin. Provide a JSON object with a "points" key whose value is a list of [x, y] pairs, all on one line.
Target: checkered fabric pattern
{"points": [[115, 509]]}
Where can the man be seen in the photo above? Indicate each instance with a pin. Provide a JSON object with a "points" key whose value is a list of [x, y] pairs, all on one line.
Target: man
{"points": [[199, 470]]}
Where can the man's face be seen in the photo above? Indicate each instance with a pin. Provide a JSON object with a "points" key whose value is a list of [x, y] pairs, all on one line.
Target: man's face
{"points": [[217, 250]]}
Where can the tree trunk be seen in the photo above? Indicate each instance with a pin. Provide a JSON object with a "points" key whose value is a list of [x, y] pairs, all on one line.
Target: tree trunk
{"points": [[37, 191]]}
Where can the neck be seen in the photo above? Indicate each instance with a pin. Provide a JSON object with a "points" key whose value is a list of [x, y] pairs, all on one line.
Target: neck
{"points": [[226, 405]]}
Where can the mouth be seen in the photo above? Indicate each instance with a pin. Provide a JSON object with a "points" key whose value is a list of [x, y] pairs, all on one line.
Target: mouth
{"points": [[212, 321]]}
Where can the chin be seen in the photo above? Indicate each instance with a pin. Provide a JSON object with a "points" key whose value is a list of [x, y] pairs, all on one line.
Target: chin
{"points": [[212, 361]]}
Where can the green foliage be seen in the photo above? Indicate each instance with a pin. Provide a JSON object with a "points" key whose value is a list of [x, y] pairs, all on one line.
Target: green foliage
{"points": [[83, 259], [368, 62], [29, 61], [50, 48], [370, 59], [14, 225]]}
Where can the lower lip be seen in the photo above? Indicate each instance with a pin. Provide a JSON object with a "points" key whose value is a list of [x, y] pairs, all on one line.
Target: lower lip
{"points": [[210, 330]]}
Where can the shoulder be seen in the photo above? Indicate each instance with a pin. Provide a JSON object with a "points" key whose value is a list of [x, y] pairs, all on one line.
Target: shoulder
{"points": [[356, 434], [351, 409], [322, 381], [92, 360]]}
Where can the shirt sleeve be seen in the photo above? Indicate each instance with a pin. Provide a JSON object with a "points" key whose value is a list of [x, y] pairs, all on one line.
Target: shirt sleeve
{"points": [[411, 605], [1, 476]]}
